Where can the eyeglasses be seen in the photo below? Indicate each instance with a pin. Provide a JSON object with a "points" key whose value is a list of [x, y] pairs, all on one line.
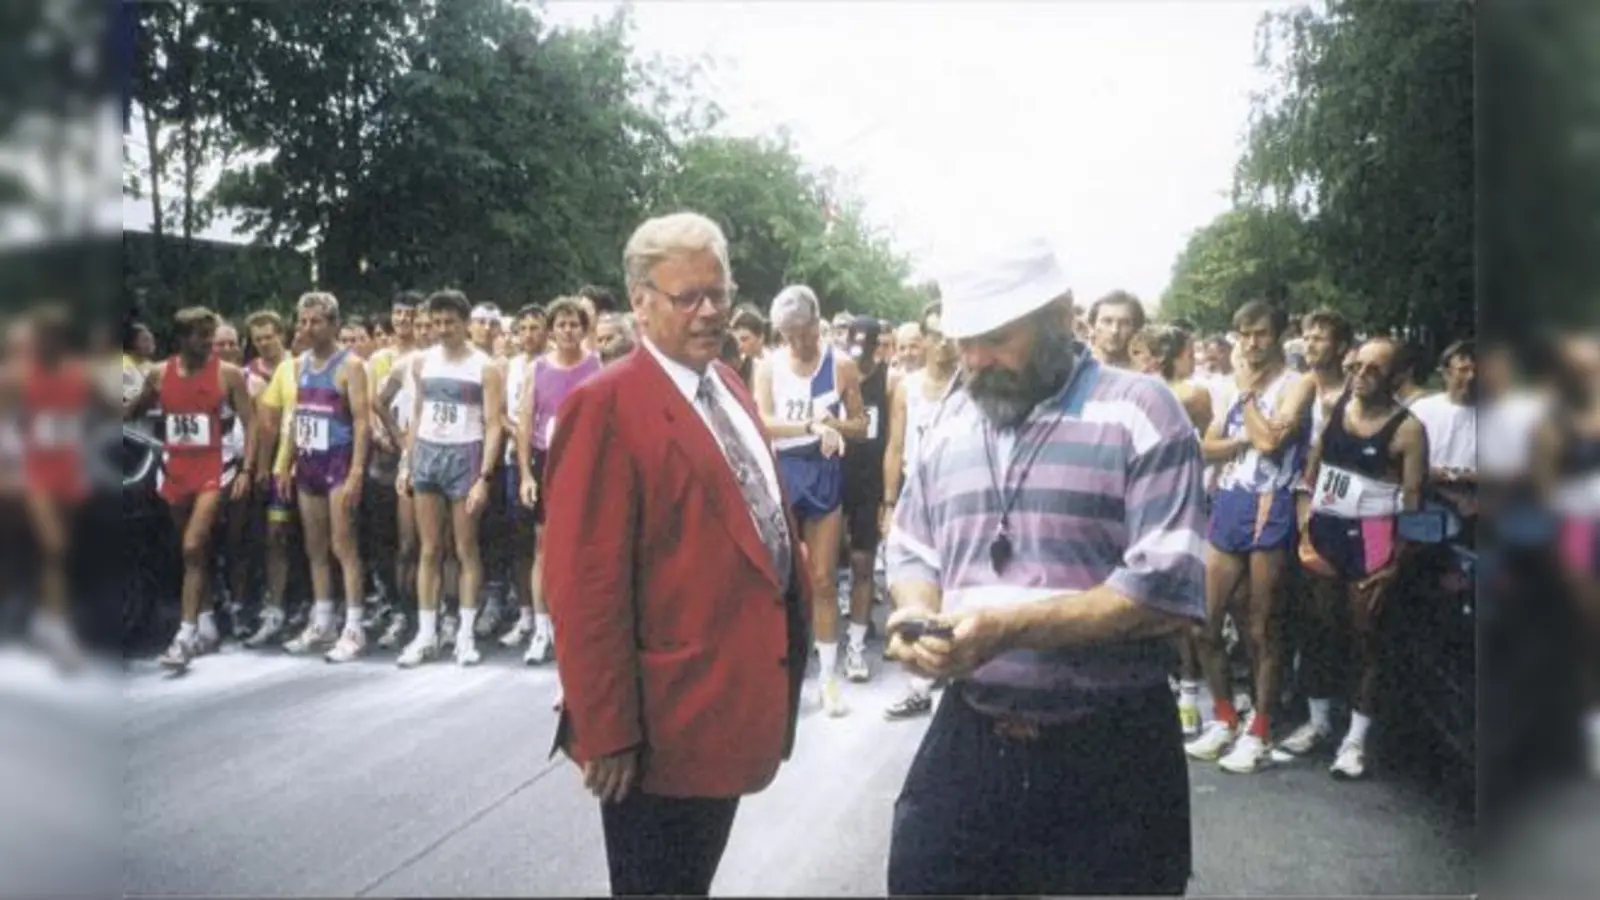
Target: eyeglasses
{"points": [[1364, 369], [690, 300]]}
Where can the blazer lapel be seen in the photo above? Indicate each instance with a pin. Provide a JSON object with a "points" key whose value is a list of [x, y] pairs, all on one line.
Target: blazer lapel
{"points": [[686, 429]]}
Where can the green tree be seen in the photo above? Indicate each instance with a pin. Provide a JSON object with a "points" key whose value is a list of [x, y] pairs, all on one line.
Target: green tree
{"points": [[1368, 132], [1248, 253], [776, 215]]}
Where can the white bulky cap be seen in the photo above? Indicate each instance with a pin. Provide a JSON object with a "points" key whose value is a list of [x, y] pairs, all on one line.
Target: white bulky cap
{"points": [[1000, 288]]}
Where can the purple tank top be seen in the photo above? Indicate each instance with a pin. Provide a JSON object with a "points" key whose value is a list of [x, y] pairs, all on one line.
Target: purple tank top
{"points": [[551, 385]]}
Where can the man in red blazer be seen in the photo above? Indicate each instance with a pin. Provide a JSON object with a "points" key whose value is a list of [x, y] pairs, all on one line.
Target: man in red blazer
{"points": [[673, 576]]}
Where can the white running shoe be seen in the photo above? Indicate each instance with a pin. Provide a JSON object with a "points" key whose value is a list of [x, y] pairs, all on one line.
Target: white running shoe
{"points": [[520, 632], [833, 698], [1214, 738], [1351, 762], [1305, 740], [179, 654], [467, 650], [1250, 754], [394, 633], [207, 638], [540, 649], [855, 664], [268, 629], [315, 637], [422, 649], [349, 647]]}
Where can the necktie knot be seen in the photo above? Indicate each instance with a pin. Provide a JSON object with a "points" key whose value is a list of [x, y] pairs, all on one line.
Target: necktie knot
{"points": [[704, 393]]}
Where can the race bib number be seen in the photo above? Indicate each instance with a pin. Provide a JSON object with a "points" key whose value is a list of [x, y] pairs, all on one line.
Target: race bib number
{"points": [[1334, 494], [51, 430], [446, 420], [872, 423], [797, 411], [188, 430], [311, 433]]}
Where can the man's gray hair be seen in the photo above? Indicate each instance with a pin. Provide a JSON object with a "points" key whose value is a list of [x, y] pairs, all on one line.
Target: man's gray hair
{"points": [[677, 234], [321, 301], [795, 307]]}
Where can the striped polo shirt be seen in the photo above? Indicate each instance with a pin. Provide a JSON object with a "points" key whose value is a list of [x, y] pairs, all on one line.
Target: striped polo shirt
{"points": [[1113, 497]]}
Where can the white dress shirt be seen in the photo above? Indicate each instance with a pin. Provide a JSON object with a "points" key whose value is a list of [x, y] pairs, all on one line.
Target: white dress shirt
{"points": [[688, 381]]}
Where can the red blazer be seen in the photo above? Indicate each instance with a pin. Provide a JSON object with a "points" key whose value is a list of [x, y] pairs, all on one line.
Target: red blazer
{"points": [[672, 634]]}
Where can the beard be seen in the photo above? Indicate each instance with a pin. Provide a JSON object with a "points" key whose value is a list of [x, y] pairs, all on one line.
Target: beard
{"points": [[1006, 398]]}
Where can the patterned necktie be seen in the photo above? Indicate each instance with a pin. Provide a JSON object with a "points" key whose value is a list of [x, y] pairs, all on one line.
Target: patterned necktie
{"points": [[764, 508]]}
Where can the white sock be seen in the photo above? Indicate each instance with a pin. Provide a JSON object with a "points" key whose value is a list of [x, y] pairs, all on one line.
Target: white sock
{"points": [[1319, 713], [920, 686], [352, 616], [468, 617], [858, 636], [525, 618], [829, 653], [1188, 693], [208, 622], [322, 613], [428, 623], [1358, 728], [542, 624], [186, 631]]}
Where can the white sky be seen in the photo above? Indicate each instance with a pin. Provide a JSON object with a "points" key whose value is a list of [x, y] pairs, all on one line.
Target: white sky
{"points": [[1111, 127]]}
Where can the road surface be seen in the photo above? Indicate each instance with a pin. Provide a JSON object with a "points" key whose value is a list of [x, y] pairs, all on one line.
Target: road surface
{"points": [[259, 774]]}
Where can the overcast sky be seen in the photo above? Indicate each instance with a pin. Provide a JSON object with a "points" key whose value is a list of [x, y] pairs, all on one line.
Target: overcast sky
{"points": [[1110, 127]]}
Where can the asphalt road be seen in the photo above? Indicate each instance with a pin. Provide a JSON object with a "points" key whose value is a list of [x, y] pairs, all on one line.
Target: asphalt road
{"points": [[258, 774]]}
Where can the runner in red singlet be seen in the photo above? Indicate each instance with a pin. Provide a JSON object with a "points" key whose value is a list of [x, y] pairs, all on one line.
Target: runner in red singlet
{"points": [[57, 395], [193, 389]]}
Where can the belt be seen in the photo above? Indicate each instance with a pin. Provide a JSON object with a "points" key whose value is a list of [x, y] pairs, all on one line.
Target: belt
{"points": [[1014, 729]]}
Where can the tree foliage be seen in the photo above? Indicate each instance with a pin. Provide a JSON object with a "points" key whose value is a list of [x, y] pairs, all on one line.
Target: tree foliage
{"points": [[1247, 253], [1366, 138], [423, 143]]}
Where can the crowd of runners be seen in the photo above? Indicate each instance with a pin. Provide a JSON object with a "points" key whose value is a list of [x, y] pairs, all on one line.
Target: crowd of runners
{"points": [[385, 473]]}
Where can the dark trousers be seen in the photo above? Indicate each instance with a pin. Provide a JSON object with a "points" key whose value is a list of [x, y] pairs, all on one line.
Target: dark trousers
{"points": [[665, 845], [1097, 807]]}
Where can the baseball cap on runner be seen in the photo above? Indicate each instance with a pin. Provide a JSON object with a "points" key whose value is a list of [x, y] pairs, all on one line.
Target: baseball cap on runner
{"points": [[486, 312], [1001, 287], [864, 332]]}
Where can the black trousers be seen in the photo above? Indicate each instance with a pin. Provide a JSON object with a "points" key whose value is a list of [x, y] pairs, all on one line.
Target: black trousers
{"points": [[1098, 807], [665, 845]]}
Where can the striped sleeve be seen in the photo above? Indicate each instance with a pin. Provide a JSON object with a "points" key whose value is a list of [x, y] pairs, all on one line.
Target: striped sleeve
{"points": [[909, 552], [1163, 566]]}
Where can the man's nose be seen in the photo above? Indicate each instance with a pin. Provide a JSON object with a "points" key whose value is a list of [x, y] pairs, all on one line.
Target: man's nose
{"points": [[976, 356]]}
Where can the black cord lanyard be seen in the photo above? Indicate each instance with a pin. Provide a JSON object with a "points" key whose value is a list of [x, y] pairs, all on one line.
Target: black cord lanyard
{"points": [[1001, 550]]}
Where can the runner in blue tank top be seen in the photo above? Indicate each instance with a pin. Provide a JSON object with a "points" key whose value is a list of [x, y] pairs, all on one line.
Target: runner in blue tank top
{"points": [[330, 431], [810, 401]]}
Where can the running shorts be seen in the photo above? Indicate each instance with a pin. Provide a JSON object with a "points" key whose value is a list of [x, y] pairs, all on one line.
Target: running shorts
{"points": [[1245, 522], [320, 473], [1579, 544], [1355, 548], [815, 485], [448, 469], [280, 509], [863, 494], [183, 484]]}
